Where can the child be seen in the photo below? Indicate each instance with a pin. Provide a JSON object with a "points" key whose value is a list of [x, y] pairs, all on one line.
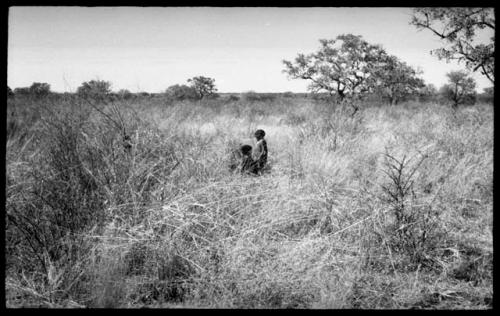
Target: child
{"points": [[248, 165], [260, 150]]}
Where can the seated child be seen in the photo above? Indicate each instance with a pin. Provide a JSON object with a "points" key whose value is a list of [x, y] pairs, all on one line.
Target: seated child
{"points": [[248, 165]]}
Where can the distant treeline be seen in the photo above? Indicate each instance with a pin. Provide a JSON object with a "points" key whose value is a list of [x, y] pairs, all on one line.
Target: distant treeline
{"points": [[181, 93]]}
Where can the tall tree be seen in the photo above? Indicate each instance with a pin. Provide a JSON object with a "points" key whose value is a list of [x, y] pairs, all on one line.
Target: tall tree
{"points": [[204, 86], [459, 28], [460, 88], [396, 79], [343, 67]]}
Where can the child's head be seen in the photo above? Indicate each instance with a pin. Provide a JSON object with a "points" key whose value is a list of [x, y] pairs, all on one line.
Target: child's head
{"points": [[259, 134], [246, 149]]}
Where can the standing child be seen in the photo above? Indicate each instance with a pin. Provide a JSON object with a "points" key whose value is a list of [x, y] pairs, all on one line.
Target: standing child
{"points": [[260, 150]]}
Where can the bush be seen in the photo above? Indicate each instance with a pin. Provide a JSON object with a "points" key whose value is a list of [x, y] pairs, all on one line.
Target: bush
{"points": [[414, 232], [39, 90], [64, 198], [125, 94], [52, 209], [10, 93], [204, 86], [252, 96], [25, 91], [97, 89], [181, 92], [485, 98], [232, 98]]}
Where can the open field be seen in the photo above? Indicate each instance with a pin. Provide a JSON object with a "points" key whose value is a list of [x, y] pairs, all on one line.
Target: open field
{"points": [[390, 208]]}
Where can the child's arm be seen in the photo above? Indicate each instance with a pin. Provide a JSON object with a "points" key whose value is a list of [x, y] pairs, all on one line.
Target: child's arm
{"points": [[258, 151]]}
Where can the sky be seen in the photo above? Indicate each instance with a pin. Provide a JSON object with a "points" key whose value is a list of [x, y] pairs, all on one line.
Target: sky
{"points": [[150, 49]]}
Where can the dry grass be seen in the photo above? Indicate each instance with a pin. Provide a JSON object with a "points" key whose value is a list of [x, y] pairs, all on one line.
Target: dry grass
{"points": [[391, 208]]}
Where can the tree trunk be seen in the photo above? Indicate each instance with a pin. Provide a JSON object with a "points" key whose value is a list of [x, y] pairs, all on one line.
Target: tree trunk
{"points": [[392, 97]]}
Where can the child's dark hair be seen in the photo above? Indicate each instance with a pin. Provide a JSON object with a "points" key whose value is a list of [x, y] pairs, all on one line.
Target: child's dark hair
{"points": [[260, 133], [246, 149]]}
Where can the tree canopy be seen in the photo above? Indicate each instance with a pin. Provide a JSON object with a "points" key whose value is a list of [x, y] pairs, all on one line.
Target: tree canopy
{"points": [[349, 67], [181, 92], [460, 88], [341, 67], [203, 86], [396, 79], [459, 28], [95, 88], [39, 89]]}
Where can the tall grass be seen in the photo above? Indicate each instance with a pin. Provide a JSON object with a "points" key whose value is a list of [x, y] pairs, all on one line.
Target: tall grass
{"points": [[389, 208]]}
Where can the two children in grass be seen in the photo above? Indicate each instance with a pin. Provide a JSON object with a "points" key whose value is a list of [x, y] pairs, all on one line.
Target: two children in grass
{"points": [[254, 161]]}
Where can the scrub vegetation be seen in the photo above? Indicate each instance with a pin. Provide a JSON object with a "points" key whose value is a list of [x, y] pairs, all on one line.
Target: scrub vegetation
{"points": [[129, 202]]}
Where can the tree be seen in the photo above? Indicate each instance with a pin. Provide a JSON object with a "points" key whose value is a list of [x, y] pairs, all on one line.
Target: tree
{"points": [[429, 89], [396, 79], [94, 88], [38, 89], [458, 27], [203, 86], [181, 92], [460, 89], [343, 67], [428, 93], [25, 91], [489, 91], [487, 96], [10, 93], [125, 94]]}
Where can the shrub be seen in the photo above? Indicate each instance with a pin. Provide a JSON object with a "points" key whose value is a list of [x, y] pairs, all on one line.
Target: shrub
{"points": [[125, 94], [203, 86], [56, 204], [415, 230], [181, 92], [10, 93], [252, 96], [39, 90], [232, 98], [428, 93], [24, 91], [97, 89]]}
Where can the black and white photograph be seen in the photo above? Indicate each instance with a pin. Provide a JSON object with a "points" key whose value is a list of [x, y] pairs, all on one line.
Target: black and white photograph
{"points": [[212, 157]]}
